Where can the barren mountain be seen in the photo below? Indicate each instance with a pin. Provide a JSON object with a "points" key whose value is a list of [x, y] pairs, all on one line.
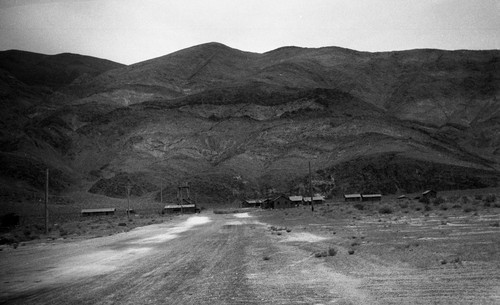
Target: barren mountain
{"points": [[235, 123]]}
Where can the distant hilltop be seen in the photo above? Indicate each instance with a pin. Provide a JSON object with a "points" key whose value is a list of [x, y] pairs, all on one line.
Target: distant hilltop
{"points": [[236, 123]]}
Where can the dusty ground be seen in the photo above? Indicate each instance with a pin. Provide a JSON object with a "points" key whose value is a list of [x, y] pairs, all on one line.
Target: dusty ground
{"points": [[269, 257]]}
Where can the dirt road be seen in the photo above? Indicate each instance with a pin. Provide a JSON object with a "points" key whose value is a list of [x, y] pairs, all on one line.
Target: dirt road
{"points": [[214, 259]]}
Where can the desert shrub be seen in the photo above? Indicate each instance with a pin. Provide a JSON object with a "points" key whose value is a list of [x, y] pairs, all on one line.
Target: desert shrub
{"points": [[63, 232], [465, 199], [427, 208], [469, 208], [385, 210], [490, 198], [332, 251], [8, 239], [456, 206], [403, 205], [439, 200], [321, 254], [495, 224], [351, 252], [487, 204], [444, 207], [425, 200], [27, 232], [266, 257], [358, 206], [9, 220], [478, 197]]}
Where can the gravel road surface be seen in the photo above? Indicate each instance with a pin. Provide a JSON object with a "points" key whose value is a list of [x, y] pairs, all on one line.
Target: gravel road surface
{"points": [[223, 259]]}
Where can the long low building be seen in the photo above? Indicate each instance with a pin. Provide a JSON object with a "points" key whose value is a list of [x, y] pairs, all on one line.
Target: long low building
{"points": [[98, 212], [352, 197], [178, 208], [316, 200], [371, 197]]}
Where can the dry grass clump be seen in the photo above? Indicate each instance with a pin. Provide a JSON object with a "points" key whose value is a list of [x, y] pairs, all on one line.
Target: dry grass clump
{"points": [[470, 208], [424, 200], [359, 206], [228, 211], [438, 200], [490, 198], [385, 210], [330, 252]]}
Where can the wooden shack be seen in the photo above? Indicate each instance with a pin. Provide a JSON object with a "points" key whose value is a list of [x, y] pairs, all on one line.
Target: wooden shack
{"points": [[371, 197], [316, 200], [180, 208], [352, 197], [251, 203], [429, 194], [282, 202], [296, 200], [98, 212]]}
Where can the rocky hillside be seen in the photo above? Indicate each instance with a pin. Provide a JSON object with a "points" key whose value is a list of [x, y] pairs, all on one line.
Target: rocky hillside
{"points": [[238, 124]]}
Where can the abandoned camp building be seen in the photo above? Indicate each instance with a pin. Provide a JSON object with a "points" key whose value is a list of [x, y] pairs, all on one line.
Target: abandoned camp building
{"points": [[296, 200], [352, 197], [371, 197], [180, 208], [318, 199], [251, 203], [98, 212], [280, 202], [429, 194]]}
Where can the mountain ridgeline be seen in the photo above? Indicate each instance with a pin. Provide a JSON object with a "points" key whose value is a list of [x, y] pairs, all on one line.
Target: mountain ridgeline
{"points": [[237, 124]]}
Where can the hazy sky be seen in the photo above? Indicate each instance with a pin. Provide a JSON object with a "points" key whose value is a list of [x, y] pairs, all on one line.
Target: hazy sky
{"points": [[130, 31]]}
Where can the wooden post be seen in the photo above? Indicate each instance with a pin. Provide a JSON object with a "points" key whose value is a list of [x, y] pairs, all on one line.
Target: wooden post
{"points": [[161, 192], [128, 200], [310, 187], [47, 202]]}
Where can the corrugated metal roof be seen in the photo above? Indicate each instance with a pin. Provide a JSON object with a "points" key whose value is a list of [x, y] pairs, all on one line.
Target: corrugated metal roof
{"points": [[102, 210], [255, 201], [352, 195], [295, 198], [315, 198], [372, 195], [178, 206]]}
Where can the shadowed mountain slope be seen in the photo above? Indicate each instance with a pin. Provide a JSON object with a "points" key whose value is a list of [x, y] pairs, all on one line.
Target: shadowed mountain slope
{"points": [[237, 123]]}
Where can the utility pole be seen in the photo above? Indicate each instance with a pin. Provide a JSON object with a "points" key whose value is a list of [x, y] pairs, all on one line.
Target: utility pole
{"points": [[161, 192], [47, 202], [310, 187], [128, 200]]}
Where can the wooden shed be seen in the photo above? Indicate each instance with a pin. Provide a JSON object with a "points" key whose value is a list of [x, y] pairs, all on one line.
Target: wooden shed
{"points": [[98, 212], [251, 203], [352, 197], [429, 194], [180, 208], [282, 202], [371, 197], [316, 200], [296, 200]]}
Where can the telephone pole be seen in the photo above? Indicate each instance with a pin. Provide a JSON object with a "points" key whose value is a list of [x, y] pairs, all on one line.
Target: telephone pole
{"points": [[310, 187], [128, 200], [47, 202]]}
